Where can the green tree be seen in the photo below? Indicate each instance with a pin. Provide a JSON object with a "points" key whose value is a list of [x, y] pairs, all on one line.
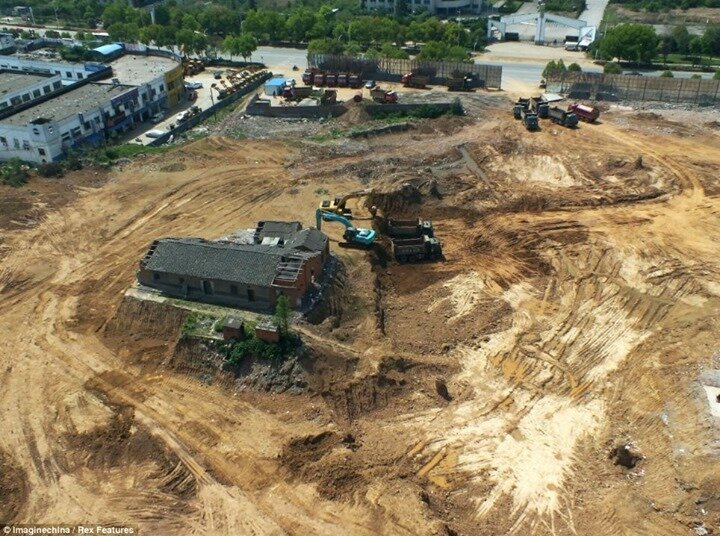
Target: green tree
{"points": [[574, 68], [554, 68], [711, 41], [612, 68], [325, 46], [388, 50], [127, 32], [696, 77], [634, 42], [282, 314], [667, 74], [439, 51], [246, 44], [681, 39]]}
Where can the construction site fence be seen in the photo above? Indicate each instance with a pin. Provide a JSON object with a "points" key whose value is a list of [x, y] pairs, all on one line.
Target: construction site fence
{"points": [[618, 88], [202, 116], [392, 70]]}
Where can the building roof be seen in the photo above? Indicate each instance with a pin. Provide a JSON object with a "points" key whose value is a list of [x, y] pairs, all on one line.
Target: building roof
{"points": [[308, 239], [275, 82], [109, 50], [233, 322], [79, 100], [224, 261], [136, 69], [11, 82], [277, 229]]}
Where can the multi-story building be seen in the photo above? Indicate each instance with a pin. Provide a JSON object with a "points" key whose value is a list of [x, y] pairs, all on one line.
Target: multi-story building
{"points": [[437, 7], [71, 110]]}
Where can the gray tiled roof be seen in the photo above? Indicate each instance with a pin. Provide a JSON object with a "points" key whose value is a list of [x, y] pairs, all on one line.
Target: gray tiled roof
{"points": [[245, 264], [308, 239], [281, 229]]}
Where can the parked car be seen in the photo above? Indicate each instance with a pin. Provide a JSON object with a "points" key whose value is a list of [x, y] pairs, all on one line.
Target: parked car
{"points": [[217, 75], [155, 133], [157, 117], [193, 85], [370, 84]]}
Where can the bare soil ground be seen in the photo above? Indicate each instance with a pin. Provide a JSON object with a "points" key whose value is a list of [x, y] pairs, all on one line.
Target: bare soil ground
{"points": [[576, 312], [701, 15]]}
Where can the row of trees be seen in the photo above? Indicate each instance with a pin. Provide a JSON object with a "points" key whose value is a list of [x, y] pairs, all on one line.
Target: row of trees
{"points": [[640, 43], [327, 29]]}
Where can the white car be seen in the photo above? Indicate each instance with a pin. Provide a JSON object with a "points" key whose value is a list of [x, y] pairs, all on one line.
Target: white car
{"points": [[155, 133], [193, 85], [157, 117]]}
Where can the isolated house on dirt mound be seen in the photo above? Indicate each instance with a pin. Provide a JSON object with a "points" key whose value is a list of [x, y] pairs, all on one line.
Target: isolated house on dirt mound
{"points": [[281, 258]]}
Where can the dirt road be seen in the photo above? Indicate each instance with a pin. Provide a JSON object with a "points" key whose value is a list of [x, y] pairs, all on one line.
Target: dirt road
{"points": [[575, 312]]}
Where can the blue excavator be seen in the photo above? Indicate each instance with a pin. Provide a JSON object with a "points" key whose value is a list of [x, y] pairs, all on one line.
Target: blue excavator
{"points": [[353, 236]]}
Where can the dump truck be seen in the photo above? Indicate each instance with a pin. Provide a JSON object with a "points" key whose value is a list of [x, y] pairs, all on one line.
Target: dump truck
{"points": [[409, 228], [415, 80], [584, 113], [308, 76], [530, 119], [561, 117], [539, 106], [380, 95], [355, 81], [463, 83], [297, 93], [424, 248], [319, 79], [331, 79], [342, 80]]}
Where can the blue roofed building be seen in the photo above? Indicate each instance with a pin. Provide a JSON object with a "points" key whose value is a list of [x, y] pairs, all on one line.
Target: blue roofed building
{"points": [[110, 51]]}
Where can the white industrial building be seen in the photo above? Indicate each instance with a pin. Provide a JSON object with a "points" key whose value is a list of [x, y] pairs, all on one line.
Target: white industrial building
{"points": [[48, 108], [438, 7]]}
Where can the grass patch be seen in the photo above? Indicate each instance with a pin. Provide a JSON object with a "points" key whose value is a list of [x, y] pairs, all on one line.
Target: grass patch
{"points": [[200, 325], [237, 351]]}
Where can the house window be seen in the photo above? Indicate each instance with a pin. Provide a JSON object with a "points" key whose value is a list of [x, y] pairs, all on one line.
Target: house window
{"points": [[162, 87], [250, 294], [26, 97], [41, 151], [207, 287], [57, 84], [46, 89], [36, 93], [26, 145], [16, 143], [80, 76], [233, 289], [87, 125], [69, 74], [156, 276]]}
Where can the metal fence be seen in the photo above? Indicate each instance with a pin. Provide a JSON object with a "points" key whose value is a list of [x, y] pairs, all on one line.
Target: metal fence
{"points": [[391, 70], [614, 87]]}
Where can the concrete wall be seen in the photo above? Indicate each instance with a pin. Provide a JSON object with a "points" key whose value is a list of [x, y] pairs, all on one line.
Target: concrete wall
{"points": [[68, 71], [221, 292], [256, 106]]}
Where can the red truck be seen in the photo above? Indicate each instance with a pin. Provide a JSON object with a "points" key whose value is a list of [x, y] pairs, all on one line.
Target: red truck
{"points": [[308, 76], [584, 113], [331, 79], [319, 79], [380, 95]]}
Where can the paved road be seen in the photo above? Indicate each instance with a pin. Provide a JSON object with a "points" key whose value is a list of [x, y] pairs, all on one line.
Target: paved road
{"points": [[593, 14]]}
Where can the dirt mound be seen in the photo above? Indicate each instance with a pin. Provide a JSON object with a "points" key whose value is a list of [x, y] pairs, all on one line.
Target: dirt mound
{"points": [[356, 113], [13, 489], [395, 199]]}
